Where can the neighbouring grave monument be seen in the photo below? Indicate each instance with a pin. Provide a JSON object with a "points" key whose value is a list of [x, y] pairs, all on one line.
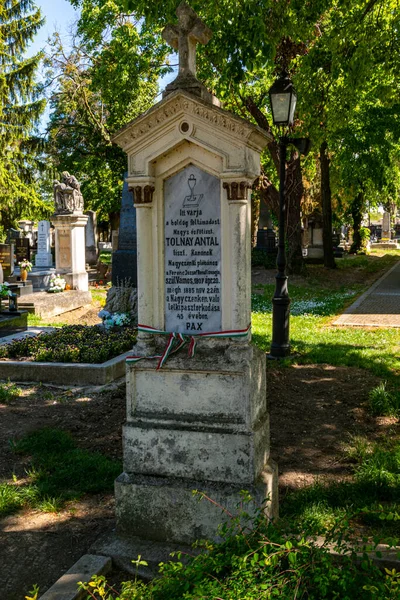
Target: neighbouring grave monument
{"points": [[201, 421], [43, 256], [91, 237], [386, 227], [69, 223], [124, 258], [7, 259]]}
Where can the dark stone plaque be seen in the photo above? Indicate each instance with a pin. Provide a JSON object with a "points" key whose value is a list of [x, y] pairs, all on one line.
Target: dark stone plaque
{"points": [[192, 252], [22, 249], [124, 259]]}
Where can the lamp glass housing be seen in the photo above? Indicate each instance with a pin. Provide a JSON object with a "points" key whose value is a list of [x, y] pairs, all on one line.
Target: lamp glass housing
{"points": [[283, 100]]}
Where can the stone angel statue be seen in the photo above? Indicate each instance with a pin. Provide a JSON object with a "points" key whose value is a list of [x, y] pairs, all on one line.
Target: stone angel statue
{"points": [[68, 198]]}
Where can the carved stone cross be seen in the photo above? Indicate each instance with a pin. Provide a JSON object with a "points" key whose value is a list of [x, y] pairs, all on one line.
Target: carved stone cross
{"points": [[183, 37]]}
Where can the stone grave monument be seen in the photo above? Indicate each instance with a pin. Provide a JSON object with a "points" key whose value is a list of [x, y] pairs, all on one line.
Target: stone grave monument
{"points": [[124, 258], [199, 420], [69, 223], [315, 250], [43, 264], [44, 258], [386, 228], [91, 237], [22, 249], [7, 259]]}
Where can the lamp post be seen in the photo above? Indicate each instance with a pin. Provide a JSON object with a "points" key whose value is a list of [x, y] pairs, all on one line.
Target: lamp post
{"points": [[283, 103]]}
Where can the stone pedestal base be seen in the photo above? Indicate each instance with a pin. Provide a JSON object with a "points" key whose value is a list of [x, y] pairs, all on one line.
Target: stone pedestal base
{"points": [[77, 281], [197, 424], [165, 509]]}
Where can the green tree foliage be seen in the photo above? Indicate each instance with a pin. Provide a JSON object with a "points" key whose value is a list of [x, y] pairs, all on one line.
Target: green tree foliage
{"points": [[348, 87], [20, 110], [109, 77]]}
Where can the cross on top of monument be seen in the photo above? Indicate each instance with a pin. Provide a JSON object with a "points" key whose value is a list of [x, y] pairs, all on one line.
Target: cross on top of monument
{"points": [[183, 37]]}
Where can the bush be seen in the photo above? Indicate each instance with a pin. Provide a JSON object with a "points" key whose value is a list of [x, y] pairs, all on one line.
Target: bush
{"points": [[269, 561], [72, 344]]}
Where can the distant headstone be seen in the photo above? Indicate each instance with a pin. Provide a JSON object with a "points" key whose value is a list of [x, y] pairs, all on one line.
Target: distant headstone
{"points": [[315, 246], [43, 256], [92, 252], [22, 249], [12, 235], [6, 259], [124, 260], [386, 229], [114, 240]]}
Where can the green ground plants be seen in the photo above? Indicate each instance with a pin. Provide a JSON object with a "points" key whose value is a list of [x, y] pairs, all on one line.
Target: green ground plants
{"points": [[371, 498], [382, 402], [263, 560], [58, 472], [72, 344], [9, 392]]}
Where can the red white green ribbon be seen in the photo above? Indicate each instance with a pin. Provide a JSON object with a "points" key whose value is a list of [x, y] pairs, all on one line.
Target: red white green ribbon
{"points": [[176, 341]]}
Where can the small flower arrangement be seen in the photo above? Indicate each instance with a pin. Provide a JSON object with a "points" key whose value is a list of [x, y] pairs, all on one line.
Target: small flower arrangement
{"points": [[25, 265], [114, 320], [4, 290], [57, 284]]}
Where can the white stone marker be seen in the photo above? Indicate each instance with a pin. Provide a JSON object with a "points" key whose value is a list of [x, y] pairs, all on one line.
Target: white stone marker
{"points": [[201, 422], [43, 256]]}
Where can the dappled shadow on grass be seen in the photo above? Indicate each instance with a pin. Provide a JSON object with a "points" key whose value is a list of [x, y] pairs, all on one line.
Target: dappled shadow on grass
{"points": [[361, 503], [58, 472], [381, 363], [40, 547]]}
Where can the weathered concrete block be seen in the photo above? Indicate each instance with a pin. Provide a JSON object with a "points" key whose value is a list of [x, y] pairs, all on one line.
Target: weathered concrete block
{"points": [[166, 510], [194, 451], [49, 305], [66, 588]]}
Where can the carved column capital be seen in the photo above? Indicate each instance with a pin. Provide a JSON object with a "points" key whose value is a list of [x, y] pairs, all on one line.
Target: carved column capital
{"points": [[142, 194], [237, 190]]}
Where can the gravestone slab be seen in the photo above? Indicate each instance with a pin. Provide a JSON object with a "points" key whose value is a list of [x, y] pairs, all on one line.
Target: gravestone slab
{"points": [[43, 257], [22, 249], [124, 259], [91, 238], [12, 235], [386, 228], [6, 259]]}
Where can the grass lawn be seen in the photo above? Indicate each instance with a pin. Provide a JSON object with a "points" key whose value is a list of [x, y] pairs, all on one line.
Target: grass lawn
{"points": [[370, 498], [315, 302]]}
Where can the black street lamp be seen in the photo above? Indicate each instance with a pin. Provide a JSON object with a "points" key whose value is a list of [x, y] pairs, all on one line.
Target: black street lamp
{"points": [[283, 103]]}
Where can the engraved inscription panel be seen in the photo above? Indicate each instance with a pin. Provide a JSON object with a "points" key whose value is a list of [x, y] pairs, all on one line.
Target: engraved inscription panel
{"points": [[192, 252], [64, 246]]}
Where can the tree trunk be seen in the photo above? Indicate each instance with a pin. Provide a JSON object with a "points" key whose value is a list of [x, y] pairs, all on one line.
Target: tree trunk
{"points": [[326, 197], [357, 209], [293, 194]]}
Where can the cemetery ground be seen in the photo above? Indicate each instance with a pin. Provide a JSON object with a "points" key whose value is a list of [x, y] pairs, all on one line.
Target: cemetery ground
{"points": [[334, 433]]}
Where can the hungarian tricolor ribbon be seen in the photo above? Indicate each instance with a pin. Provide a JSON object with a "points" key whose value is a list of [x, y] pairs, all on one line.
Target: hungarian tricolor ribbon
{"points": [[176, 341]]}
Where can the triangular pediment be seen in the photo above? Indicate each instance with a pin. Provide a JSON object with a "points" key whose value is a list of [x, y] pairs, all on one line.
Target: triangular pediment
{"points": [[171, 112]]}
